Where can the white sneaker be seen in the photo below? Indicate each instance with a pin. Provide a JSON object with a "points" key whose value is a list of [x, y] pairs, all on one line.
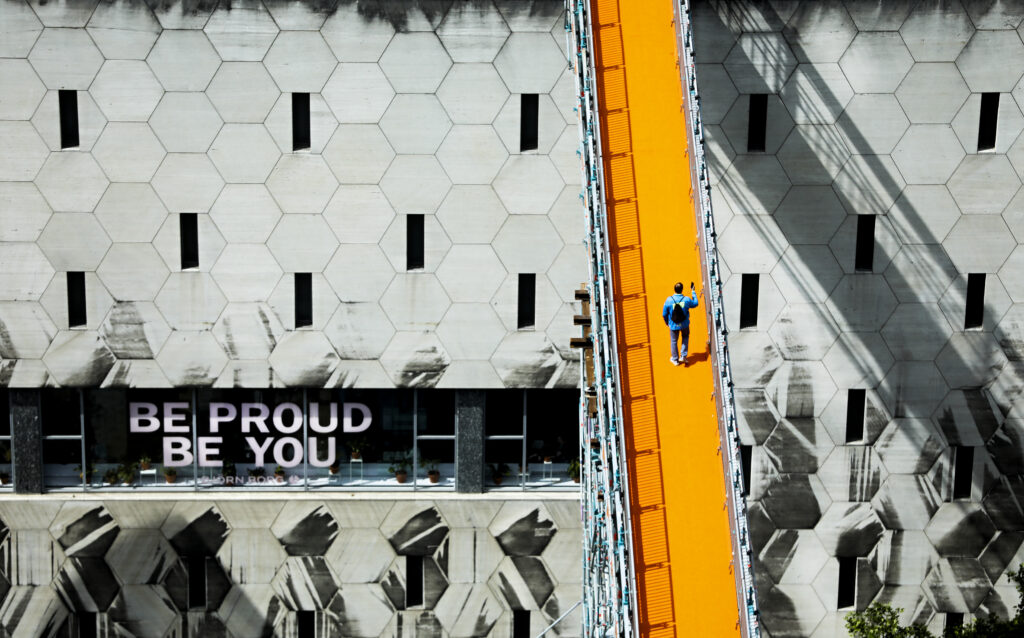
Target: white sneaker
{"points": [[674, 361]]}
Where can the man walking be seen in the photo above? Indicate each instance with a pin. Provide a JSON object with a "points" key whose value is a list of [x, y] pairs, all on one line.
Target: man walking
{"points": [[676, 313]]}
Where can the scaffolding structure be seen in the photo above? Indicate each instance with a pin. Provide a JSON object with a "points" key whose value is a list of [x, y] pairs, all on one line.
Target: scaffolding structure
{"points": [[609, 578]]}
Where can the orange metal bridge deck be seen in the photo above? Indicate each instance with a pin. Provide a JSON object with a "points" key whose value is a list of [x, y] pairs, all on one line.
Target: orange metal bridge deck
{"points": [[681, 525]]}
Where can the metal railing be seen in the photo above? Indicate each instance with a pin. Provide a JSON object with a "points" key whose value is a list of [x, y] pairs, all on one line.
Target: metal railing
{"points": [[724, 392], [609, 576]]}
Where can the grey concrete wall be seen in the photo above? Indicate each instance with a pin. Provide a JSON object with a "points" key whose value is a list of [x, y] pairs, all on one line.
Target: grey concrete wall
{"points": [[185, 108], [873, 109], [265, 560]]}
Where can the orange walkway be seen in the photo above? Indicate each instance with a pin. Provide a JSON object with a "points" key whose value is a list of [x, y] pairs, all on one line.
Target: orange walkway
{"points": [[681, 528]]}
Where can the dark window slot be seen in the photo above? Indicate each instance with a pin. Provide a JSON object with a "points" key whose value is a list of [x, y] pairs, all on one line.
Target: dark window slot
{"points": [[748, 300], [855, 415], [954, 619], [86, 624], [303, 299], [988, 121], [847, 581], [974, 315], [521, 623], [864, 258], [300, 121], [963, 471], [757, 123], [413, 242], [527, 300], [306, 621], [189, 231], [196, 582], [76, 300], [529, 107], [67, 102], [413, 581], [746, 457]]}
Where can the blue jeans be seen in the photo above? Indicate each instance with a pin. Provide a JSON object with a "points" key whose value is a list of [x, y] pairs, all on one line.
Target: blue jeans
{"points": [[675, 334]]}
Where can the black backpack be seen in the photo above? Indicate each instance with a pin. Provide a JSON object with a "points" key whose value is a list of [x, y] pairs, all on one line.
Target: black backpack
{"points": [[679, 313]]}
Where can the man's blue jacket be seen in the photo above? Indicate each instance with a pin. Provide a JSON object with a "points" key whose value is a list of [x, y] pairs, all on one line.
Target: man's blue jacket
{"points": [[687, 303]]}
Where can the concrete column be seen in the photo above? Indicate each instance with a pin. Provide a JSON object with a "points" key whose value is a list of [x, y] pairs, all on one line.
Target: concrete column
{"points": [[27, 441], [469, 414]]}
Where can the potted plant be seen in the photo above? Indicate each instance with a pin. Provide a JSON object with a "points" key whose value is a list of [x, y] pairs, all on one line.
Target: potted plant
{"points": [[498, 472], [5, 478], [400, 468], [170, 474], [228, 472], [279, 474], [257, 472], [432, 472], [110, 476], [89, 472], [145, 462], [574, 470], [357, 446], [126, 473], [333, 468]]}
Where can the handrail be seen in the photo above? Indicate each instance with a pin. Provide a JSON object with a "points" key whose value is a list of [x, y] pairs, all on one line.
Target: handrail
{"points": [[609, 575], [724, 394]]}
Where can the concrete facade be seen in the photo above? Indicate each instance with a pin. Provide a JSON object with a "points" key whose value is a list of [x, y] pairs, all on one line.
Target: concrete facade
{"points": [[873, 109]]}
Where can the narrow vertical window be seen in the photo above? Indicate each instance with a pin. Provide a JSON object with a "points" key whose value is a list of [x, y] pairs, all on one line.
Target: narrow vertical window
{"points": [[757, 123], [86, 624], [521, 623], [527, 300], [67, 102], [748, 300], [746, 456], [188, 224], [413, 242], [300, 121], [196, 582], [988, 121], [847, 581], [76, 300], [306, 621], [864, 258], [529, 106], [974, 313], [963, 471], [303, 299], [855, 415], [413, 581]]}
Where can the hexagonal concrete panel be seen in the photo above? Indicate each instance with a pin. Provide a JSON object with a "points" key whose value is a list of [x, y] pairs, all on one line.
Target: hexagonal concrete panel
{"points": [[183, 60], [74, 241], [300, 61], [760, 63], [359, 214], [321, 124], [527, 244], [861, 302], [813, 154], [912, 389], [20, 104], [932, 93], [547, 302], [126, 90], [310, 232], [128, 152], [325, 302], [924, 214], [819, 32], [937, 34], [91, 121], [415, 62], [876, 62], [185, 122], [245, 213], [123, 34], [132, 272], [800, 389], [530, 63], [24, 271], [472, 93], [872, 124], [916, 331], [470, 331], [794, 597], [358, 93], [187, 182], [25, 210], [852, 473], [191, 301], [911, 446], [415, 184], [816, 93], [78, 357], [191, 358], [359, 330], [435, 244], [241, 32], [471, 273], [752, 243], [528, 184], [415, 359], [19, 30], [755, 184], [472, 33], [70, 182], [28, 328], [244, 330], [869, 184], [795, 501], [849, 368], [975, 61], [354, 39], [359, 272], [243, 92], [135, 330], [358, 154], [804, 332], [1011, 274], [971, 360], [920, 273], [550, 125], [719, 92], [473, 155], [415, 123], [131, 212], [415, 301], [984, 184], [778, 125], [770, 301], [960, 529], [244, 153], [972, 231], [246, 272], [301, 183], [799, 444], [809, 214], [65, 59], [928, 154]]}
